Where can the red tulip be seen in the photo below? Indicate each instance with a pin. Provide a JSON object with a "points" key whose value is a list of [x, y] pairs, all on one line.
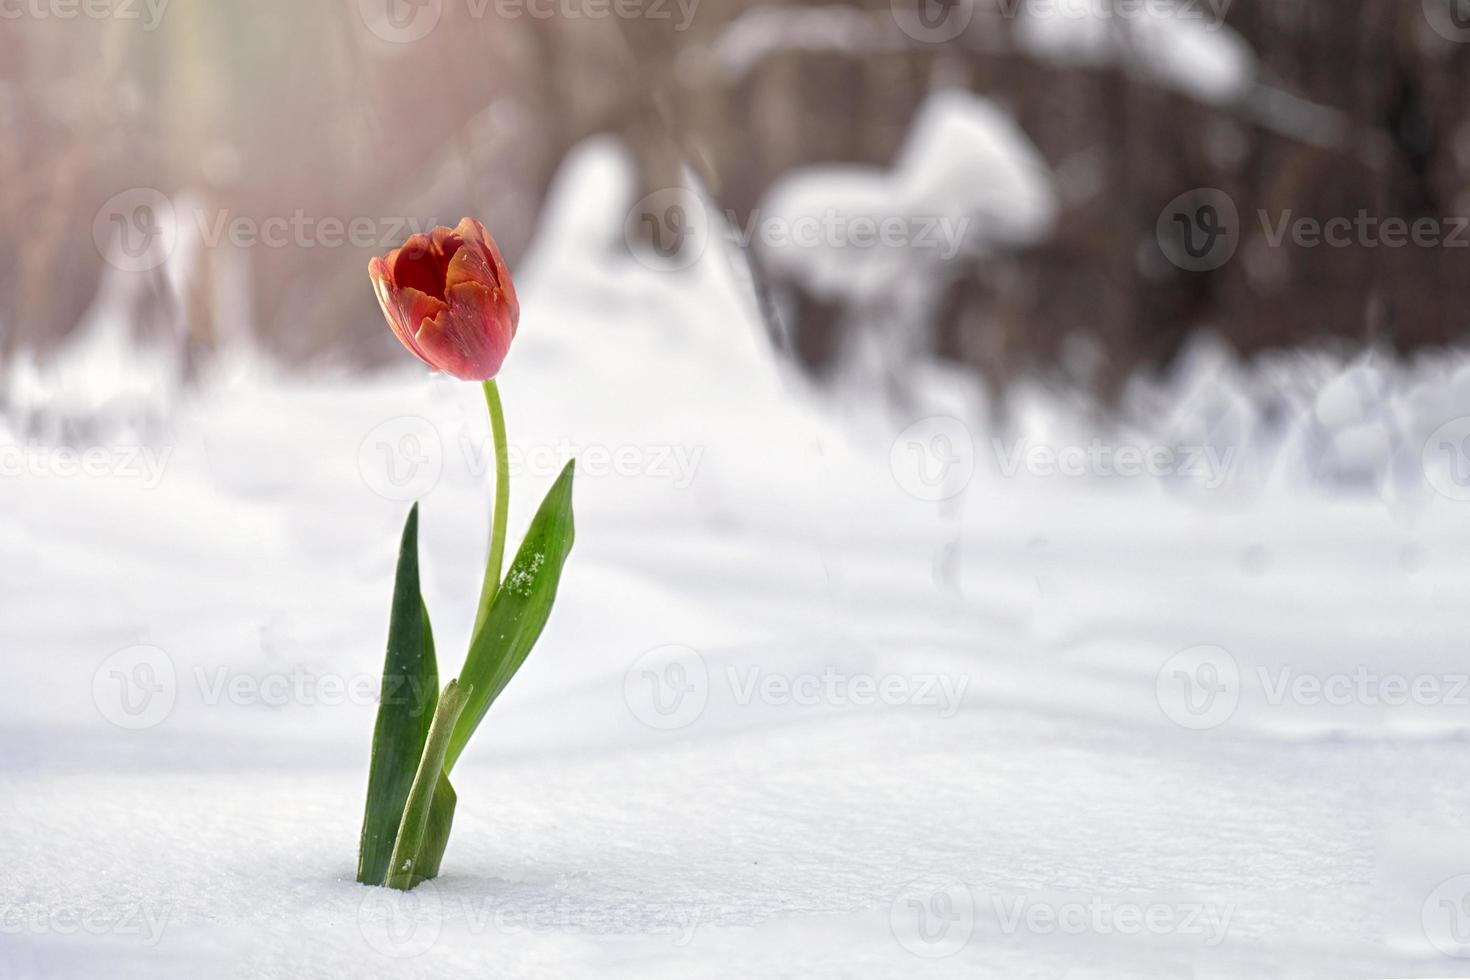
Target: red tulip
{"points": [[449, 299]]}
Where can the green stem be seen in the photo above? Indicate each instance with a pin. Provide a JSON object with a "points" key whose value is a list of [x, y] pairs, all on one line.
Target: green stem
{"points": [[403, 870], [491, 584]]}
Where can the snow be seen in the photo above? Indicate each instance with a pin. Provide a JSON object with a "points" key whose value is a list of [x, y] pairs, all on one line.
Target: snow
{"points": [[1184, 47], [957, 137], [853, 191], [950, 215], [886, 243], [847, 700]]}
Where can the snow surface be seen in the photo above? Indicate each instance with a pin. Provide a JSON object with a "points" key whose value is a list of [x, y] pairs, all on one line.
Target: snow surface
{"points": [[645, 801]]}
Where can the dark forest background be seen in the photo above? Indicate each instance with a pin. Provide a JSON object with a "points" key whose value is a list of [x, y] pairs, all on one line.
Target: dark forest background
{"points": [[278, 105]]}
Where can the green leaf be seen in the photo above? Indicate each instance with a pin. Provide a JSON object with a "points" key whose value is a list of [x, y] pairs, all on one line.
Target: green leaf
{"points": [[519, 612], [406, 707], [416, 849]]}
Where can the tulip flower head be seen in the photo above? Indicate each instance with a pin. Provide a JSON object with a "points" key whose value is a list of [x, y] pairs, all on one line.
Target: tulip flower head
{"points": [[449, 299]]}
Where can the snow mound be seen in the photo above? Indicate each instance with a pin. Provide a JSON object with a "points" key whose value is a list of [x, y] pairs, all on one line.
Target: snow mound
{"points": [[1178, 48], [964, 155], [967, 181]]}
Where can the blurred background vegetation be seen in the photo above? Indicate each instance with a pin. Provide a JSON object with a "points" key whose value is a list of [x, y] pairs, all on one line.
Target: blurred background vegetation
{"points": [[278, 106]]}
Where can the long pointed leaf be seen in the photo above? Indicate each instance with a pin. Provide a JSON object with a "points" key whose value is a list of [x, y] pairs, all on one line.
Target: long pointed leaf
{"points": [[519, 611], [406, 706]]}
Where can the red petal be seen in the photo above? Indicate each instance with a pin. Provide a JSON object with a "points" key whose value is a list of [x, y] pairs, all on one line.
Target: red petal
{"points": [[470, 338], [415, 266]]}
